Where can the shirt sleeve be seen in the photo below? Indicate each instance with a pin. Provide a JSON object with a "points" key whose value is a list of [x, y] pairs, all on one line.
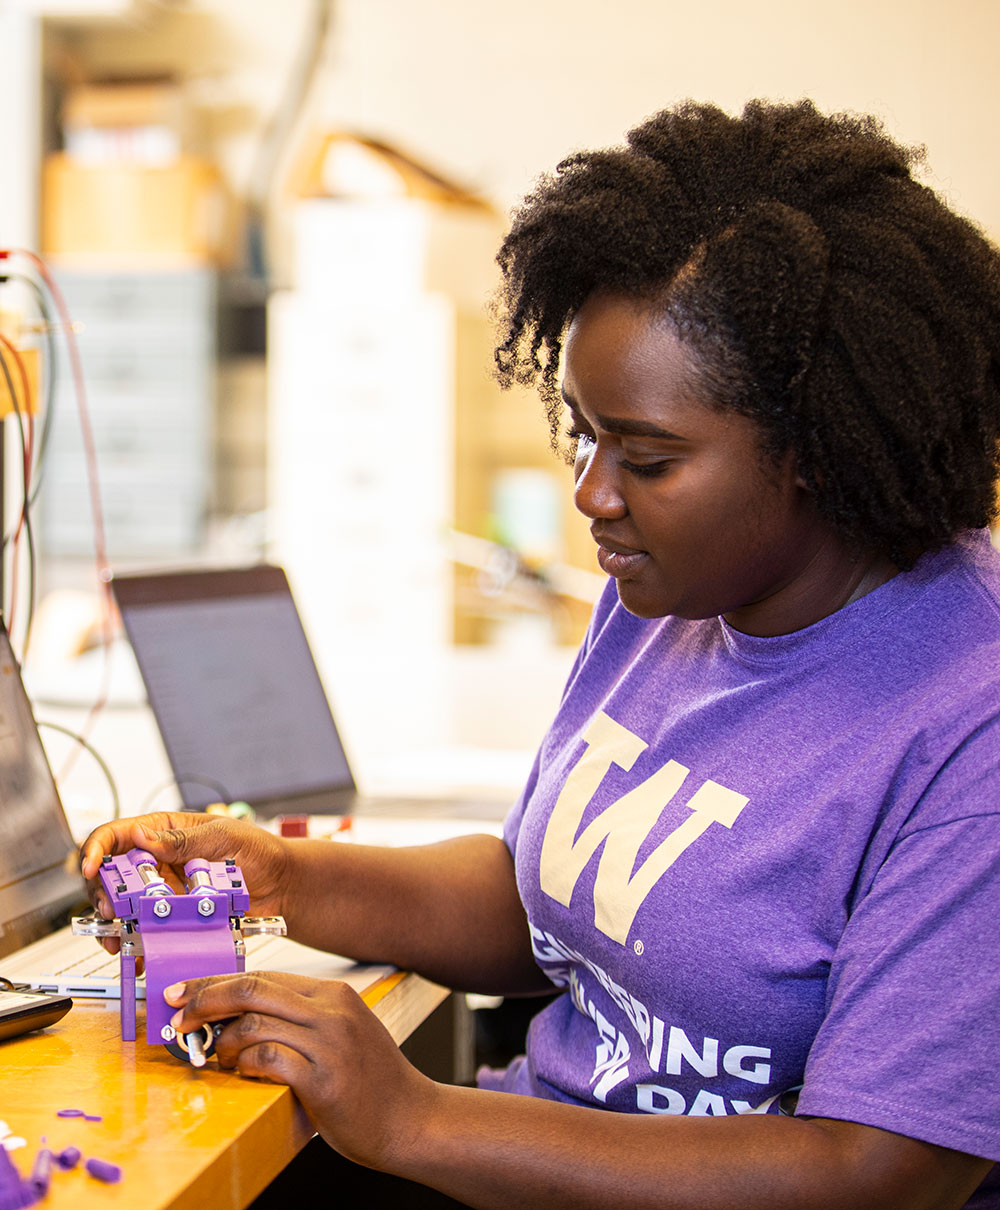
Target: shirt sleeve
{"points": [[912, 1028]]}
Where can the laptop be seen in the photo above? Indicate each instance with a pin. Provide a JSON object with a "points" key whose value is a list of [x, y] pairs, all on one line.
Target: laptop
{"points": [[41, 886], [236, 695]]}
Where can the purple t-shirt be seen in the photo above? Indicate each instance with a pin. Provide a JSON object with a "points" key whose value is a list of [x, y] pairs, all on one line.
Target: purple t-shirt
{"points": [[760, 864]]}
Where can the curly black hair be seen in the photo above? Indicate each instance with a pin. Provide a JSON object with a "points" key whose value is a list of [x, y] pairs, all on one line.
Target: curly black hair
{"points": [[825, 292]]}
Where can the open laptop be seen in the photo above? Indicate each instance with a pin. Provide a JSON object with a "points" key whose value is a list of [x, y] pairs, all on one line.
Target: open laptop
{"points": [[41, 886], [237, 697]]}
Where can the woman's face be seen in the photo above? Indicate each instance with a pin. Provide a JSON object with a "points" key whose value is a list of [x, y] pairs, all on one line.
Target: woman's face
{"points": [[689, 517]]}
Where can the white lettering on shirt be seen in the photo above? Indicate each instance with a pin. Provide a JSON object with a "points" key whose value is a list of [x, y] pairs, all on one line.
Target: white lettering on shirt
{"points": [[613, 1053]]}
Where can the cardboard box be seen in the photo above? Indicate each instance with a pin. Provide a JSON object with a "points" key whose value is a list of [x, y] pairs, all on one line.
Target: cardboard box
{"points": [[141, 121], [135, 215], [370, 222]]}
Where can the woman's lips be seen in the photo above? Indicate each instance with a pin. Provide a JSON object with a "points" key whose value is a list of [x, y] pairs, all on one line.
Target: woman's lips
{"points": [[617, 563]]}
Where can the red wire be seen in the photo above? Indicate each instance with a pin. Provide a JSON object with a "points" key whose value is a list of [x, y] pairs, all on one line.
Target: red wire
{"points": [[79, 385], [97, 511], [25, 468]]}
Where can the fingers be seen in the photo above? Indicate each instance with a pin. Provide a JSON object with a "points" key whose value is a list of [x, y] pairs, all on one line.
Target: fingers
{"points": [[268, 1060], [260, 1045], [171, 837], [274, 1020], [264, 992], [318, 1037], [124, 834]]}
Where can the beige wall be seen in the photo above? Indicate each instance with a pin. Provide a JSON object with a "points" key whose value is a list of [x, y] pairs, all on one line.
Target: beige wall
{"points": [[496, 93]]}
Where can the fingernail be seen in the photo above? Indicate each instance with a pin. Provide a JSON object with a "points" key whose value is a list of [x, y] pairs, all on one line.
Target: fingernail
{"points": [[175, 1020], [174, 991]]}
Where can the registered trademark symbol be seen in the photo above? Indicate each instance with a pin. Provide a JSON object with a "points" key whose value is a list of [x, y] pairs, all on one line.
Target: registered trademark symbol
{"points": [[638, 947]]}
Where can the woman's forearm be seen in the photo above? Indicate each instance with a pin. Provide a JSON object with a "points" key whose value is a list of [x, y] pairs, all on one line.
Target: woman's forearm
{"points": [[449, 911], [497, 1150]]}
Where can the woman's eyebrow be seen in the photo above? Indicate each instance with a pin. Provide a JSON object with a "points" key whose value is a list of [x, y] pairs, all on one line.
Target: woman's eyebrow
{"points": [[636, 428], [625, 428]]}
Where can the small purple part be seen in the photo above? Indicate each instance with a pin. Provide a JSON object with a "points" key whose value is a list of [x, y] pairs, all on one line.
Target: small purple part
{"points": [[68, 1158], [70, 1113], [104, 1170], [126, 966], [41, 1172], [92, 1117]]}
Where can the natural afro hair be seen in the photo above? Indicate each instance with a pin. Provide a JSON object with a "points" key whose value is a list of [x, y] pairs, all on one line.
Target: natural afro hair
{"points": [[825, 292]]}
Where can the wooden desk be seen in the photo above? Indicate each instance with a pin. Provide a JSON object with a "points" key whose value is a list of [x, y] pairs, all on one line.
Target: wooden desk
{"points": [[184, 1137]]}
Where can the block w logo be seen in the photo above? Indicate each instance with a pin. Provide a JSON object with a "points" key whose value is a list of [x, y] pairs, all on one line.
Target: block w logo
{"points": [[620, 888]]}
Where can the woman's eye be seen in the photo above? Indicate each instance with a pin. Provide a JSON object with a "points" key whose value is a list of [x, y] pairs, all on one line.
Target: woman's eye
{"points": [[647, 470], [578, 435]]}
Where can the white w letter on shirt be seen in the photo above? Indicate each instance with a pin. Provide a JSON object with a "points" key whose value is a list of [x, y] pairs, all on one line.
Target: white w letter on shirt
{"points": [[623, 826]]}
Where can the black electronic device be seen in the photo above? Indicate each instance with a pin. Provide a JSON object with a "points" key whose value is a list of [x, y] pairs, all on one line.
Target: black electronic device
{"points": [[23, 1011]]}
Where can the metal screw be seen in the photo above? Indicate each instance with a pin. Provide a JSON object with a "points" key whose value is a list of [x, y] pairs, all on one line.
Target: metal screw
{"points": [[161, 908], [168, 1033], [206, 907]]}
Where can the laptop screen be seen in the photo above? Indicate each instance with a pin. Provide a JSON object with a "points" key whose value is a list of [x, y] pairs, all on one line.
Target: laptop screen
{"points": [[40, 881], [233, 686]]}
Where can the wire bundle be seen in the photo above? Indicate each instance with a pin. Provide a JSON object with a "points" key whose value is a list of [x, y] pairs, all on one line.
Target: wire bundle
{"points": [[13, 373]]}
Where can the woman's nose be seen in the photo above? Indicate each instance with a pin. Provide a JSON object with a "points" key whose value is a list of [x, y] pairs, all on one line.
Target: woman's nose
{"points": [[597, 493]]}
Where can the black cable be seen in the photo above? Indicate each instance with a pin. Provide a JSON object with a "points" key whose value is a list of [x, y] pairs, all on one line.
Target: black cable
{"points": [[50, 376], [185, 779], [29, 540], [16, 409], [25, 518], [116, 803]]}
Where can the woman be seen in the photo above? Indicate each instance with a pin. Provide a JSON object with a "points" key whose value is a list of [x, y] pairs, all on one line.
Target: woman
{"points": [[759, 846]]}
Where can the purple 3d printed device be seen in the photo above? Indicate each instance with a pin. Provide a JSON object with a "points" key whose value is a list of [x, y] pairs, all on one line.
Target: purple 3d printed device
{"points": [[179, 936]]}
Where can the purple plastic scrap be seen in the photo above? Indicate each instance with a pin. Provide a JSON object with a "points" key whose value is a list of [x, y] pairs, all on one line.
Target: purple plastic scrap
{"points": [[41, 1172], [104, 1170], [68, 1158]]}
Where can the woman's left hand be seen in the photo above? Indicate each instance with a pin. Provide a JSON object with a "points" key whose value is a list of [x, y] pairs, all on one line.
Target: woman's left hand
{"points": [[320, 1038]]}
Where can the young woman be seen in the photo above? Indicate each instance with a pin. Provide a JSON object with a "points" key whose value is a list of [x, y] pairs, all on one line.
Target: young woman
{"points": [[760, 846]]}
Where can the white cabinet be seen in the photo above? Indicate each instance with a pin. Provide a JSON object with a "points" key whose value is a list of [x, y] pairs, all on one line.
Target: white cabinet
{"points": [[147, 344], [360, 471]]}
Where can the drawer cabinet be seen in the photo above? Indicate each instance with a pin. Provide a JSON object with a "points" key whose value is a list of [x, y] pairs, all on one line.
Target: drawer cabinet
{"points": [[147, 344]]}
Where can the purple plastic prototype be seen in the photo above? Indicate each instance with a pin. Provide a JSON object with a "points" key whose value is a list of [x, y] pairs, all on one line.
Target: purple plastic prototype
{"points": [[180, 936]]}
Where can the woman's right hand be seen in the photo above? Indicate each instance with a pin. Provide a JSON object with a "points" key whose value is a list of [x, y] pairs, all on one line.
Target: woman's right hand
{"points": [[175, 837]]}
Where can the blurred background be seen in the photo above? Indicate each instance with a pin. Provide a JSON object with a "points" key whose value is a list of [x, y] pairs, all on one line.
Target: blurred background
{"points": [[273, 223]]}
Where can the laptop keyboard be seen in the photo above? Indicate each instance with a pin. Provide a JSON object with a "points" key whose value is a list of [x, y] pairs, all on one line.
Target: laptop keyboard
{"points": [[100, 964]]}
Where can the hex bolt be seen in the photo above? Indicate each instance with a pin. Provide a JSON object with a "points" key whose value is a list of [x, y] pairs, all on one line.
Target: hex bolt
{"points": [[206, 907], [168, 1033], [161, 908]]}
